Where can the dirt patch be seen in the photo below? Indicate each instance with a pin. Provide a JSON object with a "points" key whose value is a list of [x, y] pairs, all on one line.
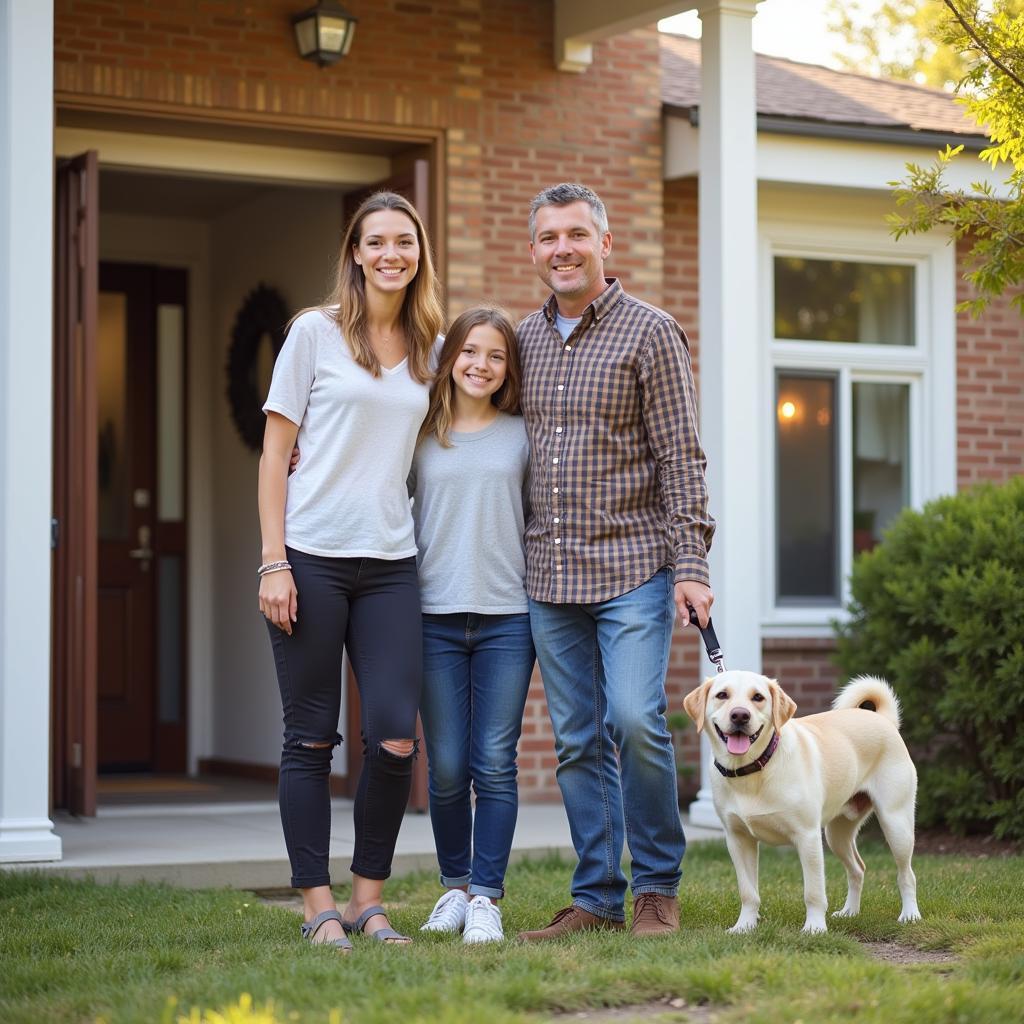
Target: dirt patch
{"points": [[931, 841], [895, 953], [664, 1011]]}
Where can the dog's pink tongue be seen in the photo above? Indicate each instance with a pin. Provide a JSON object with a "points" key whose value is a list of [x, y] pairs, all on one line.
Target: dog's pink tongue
{"points": [[738, 743]]}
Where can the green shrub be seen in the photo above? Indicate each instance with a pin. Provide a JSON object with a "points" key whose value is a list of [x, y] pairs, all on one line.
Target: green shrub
{"points": [[938, 609]]}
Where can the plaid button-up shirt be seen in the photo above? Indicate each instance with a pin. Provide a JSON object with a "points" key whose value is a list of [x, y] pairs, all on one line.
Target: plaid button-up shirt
{"points": [[617, 486]]}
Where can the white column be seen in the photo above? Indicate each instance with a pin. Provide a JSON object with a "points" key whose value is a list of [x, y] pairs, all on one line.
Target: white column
{"points": [[26, 416], [729, 343]]}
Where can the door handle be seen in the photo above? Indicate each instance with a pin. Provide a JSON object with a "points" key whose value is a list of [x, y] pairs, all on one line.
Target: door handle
{"points": [[143, 553]]}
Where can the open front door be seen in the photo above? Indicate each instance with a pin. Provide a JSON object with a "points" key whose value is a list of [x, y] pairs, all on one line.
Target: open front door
{"points": [[75, 566], [412, 181]]}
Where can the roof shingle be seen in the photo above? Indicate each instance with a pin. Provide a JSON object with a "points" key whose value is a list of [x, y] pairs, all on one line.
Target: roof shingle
{"points": [[808, 92]]}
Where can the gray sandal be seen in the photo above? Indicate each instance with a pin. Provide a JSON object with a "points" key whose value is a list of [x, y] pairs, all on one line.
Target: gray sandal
{"points": [[381, 934], [310, 928]]}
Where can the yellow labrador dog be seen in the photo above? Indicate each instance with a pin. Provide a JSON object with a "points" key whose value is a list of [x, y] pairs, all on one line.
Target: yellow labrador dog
{"points": [[780, 780]]}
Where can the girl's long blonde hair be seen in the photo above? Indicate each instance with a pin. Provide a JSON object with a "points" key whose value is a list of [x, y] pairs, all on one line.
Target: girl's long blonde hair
{"points": [[442, 393], [421, 315]]}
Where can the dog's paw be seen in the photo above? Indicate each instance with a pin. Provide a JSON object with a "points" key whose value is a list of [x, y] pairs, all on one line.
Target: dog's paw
{"points": [[814, 928], [742, 926], [846, 912], [908, 915]]}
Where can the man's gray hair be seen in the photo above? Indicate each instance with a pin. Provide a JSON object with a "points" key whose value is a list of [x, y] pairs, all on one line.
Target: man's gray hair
{"points": [[564, 194]]}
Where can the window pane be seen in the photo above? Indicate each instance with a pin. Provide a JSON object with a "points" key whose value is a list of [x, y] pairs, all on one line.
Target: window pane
{"points": [[170, 408], [835, 300], [112, 415], [806, 551], [881, 444]]}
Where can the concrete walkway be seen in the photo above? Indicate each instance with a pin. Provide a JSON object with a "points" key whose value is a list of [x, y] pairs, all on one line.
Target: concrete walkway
{"points": [[240, 845]]}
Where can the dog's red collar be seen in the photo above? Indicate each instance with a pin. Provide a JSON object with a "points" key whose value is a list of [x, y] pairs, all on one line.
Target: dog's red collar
{"points": [[754, 766]]}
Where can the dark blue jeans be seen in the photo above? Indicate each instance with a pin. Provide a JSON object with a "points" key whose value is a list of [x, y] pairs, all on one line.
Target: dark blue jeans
{"points": [[476, 671], [371, 607], [604, 670]]}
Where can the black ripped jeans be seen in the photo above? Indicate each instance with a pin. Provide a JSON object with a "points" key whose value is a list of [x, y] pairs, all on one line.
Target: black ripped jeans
{"points": [[371, 607]]}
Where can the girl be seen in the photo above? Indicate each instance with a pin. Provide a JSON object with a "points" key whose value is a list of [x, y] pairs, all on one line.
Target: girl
{"points": [[351, 385], [468, 482]]}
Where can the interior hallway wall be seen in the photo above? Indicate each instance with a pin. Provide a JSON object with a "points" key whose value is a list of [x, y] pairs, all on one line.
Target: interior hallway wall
{"points": [[286, 239]]}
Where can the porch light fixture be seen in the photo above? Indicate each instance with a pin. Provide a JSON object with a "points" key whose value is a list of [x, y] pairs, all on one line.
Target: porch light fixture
{"points": [[323, 33]]}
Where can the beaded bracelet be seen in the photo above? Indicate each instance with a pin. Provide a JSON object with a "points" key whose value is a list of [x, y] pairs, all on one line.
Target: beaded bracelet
{"points": [[272, 567]]}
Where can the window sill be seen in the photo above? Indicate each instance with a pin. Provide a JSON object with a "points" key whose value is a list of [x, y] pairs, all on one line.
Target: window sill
{"points": [[805, 624]]}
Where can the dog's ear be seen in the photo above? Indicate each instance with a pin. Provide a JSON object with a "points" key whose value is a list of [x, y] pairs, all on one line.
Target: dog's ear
{"points": [[696, 701], [783, 706]]}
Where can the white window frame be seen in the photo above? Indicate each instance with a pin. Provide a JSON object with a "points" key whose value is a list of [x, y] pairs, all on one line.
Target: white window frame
{"points": [[928, 366]]}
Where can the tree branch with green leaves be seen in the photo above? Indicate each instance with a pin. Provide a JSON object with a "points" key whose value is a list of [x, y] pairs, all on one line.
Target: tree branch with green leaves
{"points": [[991, 43]]}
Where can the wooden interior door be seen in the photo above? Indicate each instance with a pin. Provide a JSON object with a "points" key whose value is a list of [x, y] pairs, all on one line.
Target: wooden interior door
{"points": [[140, 520], [412, 180], [74, 485]]}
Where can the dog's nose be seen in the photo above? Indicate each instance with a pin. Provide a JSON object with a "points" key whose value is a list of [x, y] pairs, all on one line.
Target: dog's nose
{"points": [[739, 716]]}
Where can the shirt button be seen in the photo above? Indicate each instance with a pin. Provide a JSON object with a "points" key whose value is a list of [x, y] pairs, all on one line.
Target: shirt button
{"points": [[561, 387], [555, 460], [568, 348], [555, 489], [557, 520], [558, 430], [558, 540]]}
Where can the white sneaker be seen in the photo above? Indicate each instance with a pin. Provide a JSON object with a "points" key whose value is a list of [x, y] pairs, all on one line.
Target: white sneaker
{"points": [[483, 921], [449, 913]]}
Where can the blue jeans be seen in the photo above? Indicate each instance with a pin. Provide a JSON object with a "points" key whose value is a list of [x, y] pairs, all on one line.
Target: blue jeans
{"points": [[604, 670], [476, 671]]}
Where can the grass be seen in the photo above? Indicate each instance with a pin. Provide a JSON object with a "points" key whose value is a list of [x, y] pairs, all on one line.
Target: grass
{"points": [[80, 952]]}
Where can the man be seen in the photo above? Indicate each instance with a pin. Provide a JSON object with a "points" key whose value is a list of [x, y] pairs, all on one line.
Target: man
{"points": [[616, 544]]}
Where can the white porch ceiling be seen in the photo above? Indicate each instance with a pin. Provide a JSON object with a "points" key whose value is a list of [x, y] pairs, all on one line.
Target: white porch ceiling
{"points": [[581, 23]]}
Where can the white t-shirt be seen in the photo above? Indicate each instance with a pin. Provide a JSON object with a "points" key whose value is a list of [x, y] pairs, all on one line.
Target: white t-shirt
{"points": [[357, 434]]}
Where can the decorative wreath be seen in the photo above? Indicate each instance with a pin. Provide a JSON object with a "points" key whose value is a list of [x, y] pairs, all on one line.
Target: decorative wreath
{"points": [[263, 313]]}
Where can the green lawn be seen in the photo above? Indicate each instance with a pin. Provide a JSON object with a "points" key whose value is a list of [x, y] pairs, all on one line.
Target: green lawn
{"points": [[77, 952]]}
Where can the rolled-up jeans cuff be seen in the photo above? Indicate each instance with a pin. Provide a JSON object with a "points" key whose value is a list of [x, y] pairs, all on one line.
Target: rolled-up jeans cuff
{"points": [[661, 890], [310, 881], [603, 912], [377, 874], [454, 883], [486, 890]]}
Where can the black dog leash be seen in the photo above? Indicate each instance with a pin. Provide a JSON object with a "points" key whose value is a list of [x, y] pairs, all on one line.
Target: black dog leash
{"points": [[711, 644]]}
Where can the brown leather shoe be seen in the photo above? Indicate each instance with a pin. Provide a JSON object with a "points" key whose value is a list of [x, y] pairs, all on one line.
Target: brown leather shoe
{"points": [[569, 920], [655, 914]]}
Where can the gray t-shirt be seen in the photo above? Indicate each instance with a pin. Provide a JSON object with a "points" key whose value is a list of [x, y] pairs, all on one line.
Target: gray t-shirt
{"points": [[470, 518], [347, 498]]}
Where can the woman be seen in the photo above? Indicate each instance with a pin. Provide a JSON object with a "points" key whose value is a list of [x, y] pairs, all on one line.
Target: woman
{"points": [[350, 386], [468, 481]]}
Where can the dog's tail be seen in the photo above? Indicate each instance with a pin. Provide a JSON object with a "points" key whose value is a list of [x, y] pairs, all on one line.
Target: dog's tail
{"points": [[872, 694]]}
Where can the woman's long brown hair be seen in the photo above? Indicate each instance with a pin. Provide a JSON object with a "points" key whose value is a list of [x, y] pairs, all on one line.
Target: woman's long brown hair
{"points": [[442, 393], [421, 315]]}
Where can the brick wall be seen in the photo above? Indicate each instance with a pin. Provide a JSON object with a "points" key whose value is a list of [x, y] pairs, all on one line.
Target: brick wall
{"points": [[681, 299], [990, 389], [482, 70]]}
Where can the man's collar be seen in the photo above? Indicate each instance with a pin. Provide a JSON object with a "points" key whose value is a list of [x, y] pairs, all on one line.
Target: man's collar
{"points": [[599, 308]]}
